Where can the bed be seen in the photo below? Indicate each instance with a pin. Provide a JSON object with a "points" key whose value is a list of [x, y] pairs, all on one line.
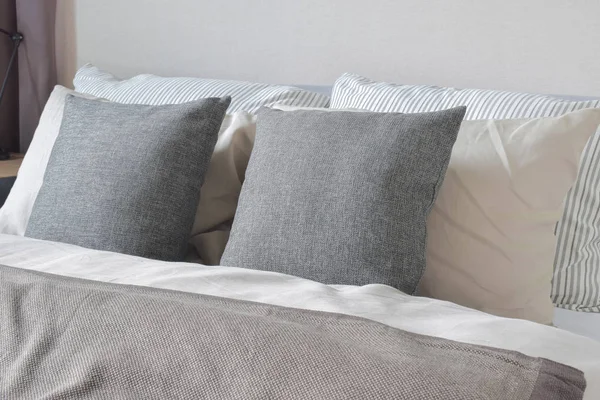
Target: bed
{"points": [[374, 302], [98, 302]]}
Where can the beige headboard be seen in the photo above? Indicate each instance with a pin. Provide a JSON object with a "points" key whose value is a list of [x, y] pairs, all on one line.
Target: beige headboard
{"points": [[545, 46]]}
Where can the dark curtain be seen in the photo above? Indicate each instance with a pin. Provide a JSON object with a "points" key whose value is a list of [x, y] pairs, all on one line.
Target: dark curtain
{"points": [[34, 76], [9, 108], [37, 62]]}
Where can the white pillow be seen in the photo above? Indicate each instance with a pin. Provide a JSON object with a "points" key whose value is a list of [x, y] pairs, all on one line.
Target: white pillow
{"points": [[219, 192], [491, 239]]}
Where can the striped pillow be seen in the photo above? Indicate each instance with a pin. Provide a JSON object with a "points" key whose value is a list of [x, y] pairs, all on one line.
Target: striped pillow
{"points": [[576, 282], [157, 90]]}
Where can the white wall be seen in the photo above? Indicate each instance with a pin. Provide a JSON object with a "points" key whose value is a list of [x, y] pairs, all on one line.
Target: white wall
{"points": [[546, 46], [66, 42]]}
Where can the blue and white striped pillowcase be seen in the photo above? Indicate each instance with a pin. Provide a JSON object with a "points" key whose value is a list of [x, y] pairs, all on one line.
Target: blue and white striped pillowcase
{"points": [[576, 281], [156, 90]]}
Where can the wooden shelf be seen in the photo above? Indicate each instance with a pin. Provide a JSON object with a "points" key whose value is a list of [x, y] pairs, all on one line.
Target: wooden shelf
{"points": [[10, 167]]}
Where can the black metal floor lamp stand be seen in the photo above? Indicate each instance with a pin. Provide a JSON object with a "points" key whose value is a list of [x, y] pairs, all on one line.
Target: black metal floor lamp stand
{"points": [[16, 38]]}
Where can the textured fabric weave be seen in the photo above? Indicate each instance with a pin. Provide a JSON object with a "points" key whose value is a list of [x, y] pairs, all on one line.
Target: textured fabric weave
{"points": [[67, 338], [576, 281], [127, 178], [341, 197], [157, 90], [219, 194]]}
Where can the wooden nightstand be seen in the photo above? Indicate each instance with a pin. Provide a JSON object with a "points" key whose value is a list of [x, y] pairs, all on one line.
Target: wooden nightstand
{"points": [[8, 174]]}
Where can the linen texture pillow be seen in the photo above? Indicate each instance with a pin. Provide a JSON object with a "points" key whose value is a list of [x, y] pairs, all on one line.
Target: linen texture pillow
{"points": [[576, 279], [127, 178], [491, 236], [220, 191], [341, 197]]}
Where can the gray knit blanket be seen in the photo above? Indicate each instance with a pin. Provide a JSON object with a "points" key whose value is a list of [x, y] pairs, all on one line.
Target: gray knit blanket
{"points": [[66, 338]]}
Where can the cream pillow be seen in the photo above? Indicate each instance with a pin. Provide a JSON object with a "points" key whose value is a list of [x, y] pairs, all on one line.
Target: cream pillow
{"points": [[219, 193], [222, 186], [491, 240]]}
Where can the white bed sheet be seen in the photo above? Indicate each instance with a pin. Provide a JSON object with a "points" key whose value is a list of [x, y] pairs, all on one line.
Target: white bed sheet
{"points": [[586, 324], [376, 302]]}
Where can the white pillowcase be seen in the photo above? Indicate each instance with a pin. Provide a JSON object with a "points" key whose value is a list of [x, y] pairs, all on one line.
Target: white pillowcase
{"points": [[491, 239], [219, 193]]}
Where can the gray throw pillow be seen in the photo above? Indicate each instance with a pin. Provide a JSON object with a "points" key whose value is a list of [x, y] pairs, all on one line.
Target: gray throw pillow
{"points": [[342, 197], [127, 178]]}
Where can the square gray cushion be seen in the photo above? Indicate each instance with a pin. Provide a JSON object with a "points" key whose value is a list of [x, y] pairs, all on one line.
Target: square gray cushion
{"points": [[127, 178], [342, 197]]}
